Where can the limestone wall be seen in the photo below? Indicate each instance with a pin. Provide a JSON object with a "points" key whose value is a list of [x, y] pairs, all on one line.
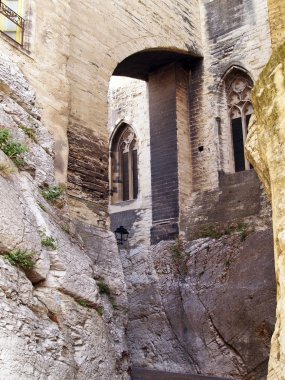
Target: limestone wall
{"points": [[71, 61], [117, 29], [73, 51], [234, 33]]}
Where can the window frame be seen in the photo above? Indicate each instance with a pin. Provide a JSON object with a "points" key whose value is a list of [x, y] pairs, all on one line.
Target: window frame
{"points": [[242, 105], [9, 15], [123, 141]]}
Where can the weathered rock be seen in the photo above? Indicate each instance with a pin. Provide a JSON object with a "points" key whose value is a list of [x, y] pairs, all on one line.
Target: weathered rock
{"points": [[54, 323], [19, 114], [203, 308], [47, 335]]}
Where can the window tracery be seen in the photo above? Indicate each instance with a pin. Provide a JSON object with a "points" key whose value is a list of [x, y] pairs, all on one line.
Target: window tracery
{"points": [[124, 164], [238, 90]]}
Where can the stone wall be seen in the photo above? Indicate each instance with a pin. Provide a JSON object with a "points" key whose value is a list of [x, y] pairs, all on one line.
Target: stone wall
{"points": [[129, 103], [239, 200], [120, 30], [70, 61], [234, 33], [200, 168], [65, 67]]}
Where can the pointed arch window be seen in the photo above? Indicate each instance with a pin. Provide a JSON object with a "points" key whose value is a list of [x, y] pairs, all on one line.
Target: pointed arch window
{"points": [[238, 89], [124, 165]]}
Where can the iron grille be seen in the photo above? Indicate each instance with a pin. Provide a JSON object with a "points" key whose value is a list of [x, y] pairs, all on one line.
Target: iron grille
{"points": [[15, 18]]}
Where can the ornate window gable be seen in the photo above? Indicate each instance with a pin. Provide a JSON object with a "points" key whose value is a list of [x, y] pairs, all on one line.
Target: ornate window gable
{"points": [[238, 90], [124, 165]]}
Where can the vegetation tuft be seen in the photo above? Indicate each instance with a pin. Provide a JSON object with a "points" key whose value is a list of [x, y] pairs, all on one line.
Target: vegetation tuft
{"points": [[42, 207], [6, 170], [114, 304], [104, 288], [29, 132], [100, 310], [11, 148], [48, 241], [214, 232], [53, 193], [66, 228], [4, 137], [178, 249], [83, 303], [21, 258], [244, 230], [179, 256]]}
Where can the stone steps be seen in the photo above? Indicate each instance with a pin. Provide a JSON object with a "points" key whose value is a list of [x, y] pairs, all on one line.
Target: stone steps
{"points": [[147, 374]]}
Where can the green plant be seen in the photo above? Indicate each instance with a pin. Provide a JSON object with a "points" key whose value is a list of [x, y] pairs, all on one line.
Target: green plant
{"points": [[178, 249], [66, 228], [21, 258], [6, 170], [227, 263], [4, 137], [212, 233], [14, 149], [215, 232], [11, 148], [53, 193], [114, 305], [42, 207], [244, 230], [83, 303], [48, 241], [104, 288], [179, 256], [100, 310], [29, 132]]}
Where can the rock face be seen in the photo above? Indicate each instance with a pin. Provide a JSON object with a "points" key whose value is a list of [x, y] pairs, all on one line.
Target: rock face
{"points": [[205, 307], [54, 322], [265, 149]]}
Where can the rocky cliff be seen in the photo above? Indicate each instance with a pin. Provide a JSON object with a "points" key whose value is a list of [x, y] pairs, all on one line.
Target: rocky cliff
{"points": [[63, 304], [205, 306], [265, 149]]}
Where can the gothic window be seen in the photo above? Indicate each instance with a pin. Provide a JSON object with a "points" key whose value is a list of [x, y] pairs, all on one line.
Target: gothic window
{"points": [[238, 88], [11, 21], [124, 165]]}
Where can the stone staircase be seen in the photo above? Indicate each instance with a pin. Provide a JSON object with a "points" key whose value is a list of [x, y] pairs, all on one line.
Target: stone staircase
{"points": [[147, 374]]}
